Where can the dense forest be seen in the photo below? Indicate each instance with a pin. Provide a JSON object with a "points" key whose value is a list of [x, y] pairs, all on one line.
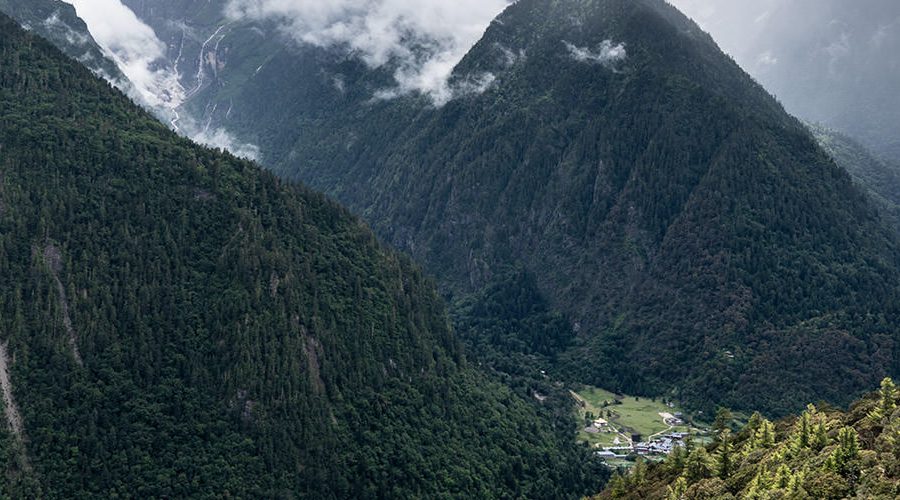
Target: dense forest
{"points": [[697, 240], [824, 453], [178, 323]]}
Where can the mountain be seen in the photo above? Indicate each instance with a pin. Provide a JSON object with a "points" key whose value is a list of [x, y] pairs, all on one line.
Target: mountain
{"points": [[174, 322], [57, 21], [693, 235], [823, 453], [880, 177], [248, 76], [828, 61]]}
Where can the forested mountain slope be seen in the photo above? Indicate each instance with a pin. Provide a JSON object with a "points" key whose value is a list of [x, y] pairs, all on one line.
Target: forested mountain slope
{"points": [[695, 235], [823, 453], [177, 323]]}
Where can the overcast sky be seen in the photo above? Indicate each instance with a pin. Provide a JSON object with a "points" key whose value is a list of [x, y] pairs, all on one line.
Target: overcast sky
{"points": [[830, 61]]}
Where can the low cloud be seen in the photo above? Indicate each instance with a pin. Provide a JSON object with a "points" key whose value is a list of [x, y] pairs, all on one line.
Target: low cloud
{"points": [[153, 82], [222, 139], [426, 39], [606, 53], [135, 49]]}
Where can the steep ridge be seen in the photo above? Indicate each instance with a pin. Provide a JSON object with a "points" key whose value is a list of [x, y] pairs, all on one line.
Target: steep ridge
{"points": [[240, 336], [697, 238]]}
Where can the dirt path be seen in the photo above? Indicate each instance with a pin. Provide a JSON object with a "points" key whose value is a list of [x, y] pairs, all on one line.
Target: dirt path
{"points": [[13, 418], [53, 258]]}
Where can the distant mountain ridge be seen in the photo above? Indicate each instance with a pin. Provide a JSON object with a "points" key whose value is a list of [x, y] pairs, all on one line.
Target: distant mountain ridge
{"points": [[880, 177], [830, 61]]}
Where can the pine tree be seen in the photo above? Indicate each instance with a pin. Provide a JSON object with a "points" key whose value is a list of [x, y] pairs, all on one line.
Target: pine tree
{"points": [[698, 465], [841, 459], [887, 401], [725, 456], [804, 433], [677, 491], [820, 438], [722, 422], [783, 477]]}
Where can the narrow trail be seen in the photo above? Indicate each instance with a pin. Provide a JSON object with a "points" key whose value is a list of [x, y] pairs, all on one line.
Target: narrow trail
{"points": [[53, 258], [13, 418]]}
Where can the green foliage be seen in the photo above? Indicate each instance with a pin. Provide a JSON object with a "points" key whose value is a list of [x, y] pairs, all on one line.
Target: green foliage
{"points": [[725, 456], [699, 465], [722, 423], [841, 460], [862, 462], [237, 336], [677, 490], [888, 403]]}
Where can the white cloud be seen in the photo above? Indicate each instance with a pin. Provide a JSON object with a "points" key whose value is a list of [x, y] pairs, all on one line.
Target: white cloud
{"points": [[606, 53], [135, 49], [426, 38], [153, 82], [221, 139]]}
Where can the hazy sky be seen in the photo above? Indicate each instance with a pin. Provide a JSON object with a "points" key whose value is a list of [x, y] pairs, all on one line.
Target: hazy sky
{"points": [[831, 61]]}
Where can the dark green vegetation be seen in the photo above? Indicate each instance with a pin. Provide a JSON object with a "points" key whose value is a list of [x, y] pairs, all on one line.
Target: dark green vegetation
{"points": [[880, 177], [181, 324], [823, 454], [694, 236], [57, 21]]}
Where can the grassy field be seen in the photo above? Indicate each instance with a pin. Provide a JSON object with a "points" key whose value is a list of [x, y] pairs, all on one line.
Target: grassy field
{"points": [[633, 415]]}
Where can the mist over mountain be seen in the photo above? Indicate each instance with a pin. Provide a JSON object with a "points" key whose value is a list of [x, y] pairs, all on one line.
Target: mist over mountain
{"points": [[829, 61]]}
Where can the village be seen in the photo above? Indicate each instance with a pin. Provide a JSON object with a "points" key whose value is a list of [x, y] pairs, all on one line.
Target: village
{"points": [[622, 428]]}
